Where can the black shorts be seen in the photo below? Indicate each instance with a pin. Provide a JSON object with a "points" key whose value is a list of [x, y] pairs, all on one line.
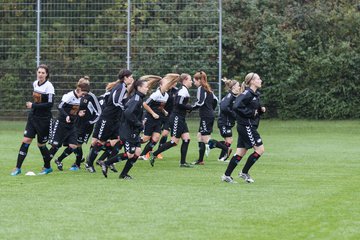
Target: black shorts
{"points": [[152, 125], [63, 133], [39, 126], [106, 129], [225, 131], [84, 131], [206, 126], [248, 137], [178, 126], [131, 143], [165, 123]]}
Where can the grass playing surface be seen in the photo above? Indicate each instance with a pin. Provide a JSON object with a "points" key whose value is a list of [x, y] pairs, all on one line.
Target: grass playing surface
{"points": [[306, 187]]}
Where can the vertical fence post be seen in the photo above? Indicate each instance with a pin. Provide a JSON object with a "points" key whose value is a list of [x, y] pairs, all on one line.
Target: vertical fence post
{"points": [[128, 33], [220, 48], [38, 32]]}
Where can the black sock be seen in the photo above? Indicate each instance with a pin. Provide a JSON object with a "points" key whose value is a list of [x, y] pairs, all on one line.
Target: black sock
{"points": [[79, 155], [148, 147], [250, 161], [107, 152], [214, 143], [201, 151], [164, 147], [94, 151], [223, 152], [162, 140], [184, 149], [22, 154], [53, 150], [46, 156], [128, 165], [232, 164], [115, 149], [67, 151]]}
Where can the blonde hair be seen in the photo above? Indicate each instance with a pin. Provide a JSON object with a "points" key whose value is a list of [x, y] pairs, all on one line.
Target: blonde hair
{"points": [[151, 80], [246, 82], [183, 76], [111, 85], [201, 76], [229, 83], [170, 79]]}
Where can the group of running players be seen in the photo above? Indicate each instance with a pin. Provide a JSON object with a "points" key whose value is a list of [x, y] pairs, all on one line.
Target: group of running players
{"points": [[124, 118]]}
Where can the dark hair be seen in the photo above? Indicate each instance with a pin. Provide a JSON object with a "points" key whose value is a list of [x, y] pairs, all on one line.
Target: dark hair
{"points": [[134, 86], [83, 86], [124, 73], [46, 70]]}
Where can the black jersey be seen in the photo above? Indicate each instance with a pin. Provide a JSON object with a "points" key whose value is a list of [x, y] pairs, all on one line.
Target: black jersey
{"points": [[69, 106], [169, 106], [92, 108], [247, 106], [227, 115], [206, 102], [156, 102], [181, 105], [133, 115], [43, 95], [114, 105], [103, 99]]}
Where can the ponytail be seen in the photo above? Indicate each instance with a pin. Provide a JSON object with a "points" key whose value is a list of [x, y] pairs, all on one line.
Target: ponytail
{"points": [[201, 76]]}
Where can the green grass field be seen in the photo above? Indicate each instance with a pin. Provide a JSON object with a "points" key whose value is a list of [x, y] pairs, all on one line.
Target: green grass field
{"points": [[306, 187]]}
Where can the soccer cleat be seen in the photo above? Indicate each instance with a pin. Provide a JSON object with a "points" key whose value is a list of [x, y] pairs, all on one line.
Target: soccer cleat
{"points": [[45, 171], [74, 168], [144, 158], [246, 177], [185, 165], [227, 179], [82, 160], [90, 169], [207, 150], [152, 159], [59, 165], [104, 169], [125, 177], [113, 168], [15, 172], [159, 156], [98, 162], [198, 163]]}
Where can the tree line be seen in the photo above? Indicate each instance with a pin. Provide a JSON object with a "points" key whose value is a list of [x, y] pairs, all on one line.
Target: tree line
{"points": [[306, 51]]}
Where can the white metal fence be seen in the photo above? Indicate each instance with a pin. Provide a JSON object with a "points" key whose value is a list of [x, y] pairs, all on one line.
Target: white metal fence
{"points": [[97, 38]]}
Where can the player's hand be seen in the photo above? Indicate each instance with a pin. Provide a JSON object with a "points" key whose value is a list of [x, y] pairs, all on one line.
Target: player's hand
{"points": [[28, 104], [165, 113], [156, 116], [81, 113], [68, 120], [263, 109]]}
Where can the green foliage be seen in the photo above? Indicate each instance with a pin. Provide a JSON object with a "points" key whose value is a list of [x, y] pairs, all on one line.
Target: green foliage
{"points": [[307, 53]]}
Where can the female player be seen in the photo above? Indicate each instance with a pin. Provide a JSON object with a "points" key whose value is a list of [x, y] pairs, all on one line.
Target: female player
{"points": [[155, 112], [179, 128], [108, 125], [206, 102], [64, 130], [132, 125], [39, 118], [248, 110], [227, 116], [84, 125]]}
